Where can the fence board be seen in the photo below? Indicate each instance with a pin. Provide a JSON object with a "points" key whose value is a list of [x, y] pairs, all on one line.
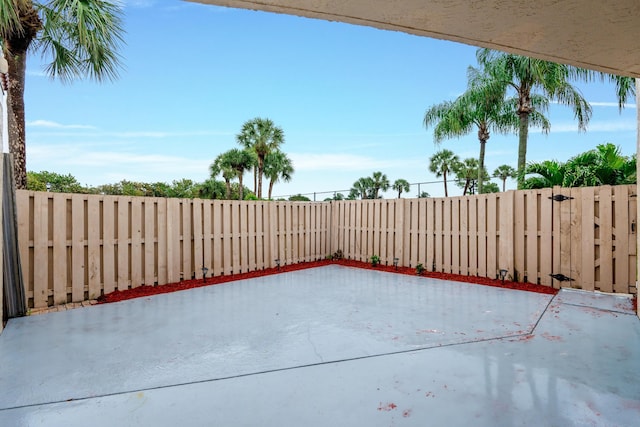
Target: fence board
{"points": [[60, 249], [108, 244], [621, 228], [464, 235], [482, 237], [150, 229], [137, 255], [77, 249], [575, 271], [93, 244], [473, 236], [40, 250], [546, 247], [521, 230], [586, 238], [455, 235], [492, 235], [532, 238], [606, 239]]}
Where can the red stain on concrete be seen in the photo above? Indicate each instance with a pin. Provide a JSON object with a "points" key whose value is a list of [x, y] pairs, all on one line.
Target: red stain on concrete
{"points": [[387, 407]]}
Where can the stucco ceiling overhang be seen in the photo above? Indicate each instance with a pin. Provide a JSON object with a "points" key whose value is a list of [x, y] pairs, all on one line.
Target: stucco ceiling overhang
{"points": [[595, 34]]}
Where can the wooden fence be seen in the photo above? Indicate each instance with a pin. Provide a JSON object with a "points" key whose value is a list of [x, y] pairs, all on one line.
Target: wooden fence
{"points": [[77, 247]]}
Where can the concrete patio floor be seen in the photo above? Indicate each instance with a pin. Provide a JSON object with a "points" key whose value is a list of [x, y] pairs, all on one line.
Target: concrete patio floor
{"points": [[326, 346]]}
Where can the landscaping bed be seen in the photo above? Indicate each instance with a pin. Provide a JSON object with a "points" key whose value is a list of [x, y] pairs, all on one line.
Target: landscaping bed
{"points": [[143, 291]]}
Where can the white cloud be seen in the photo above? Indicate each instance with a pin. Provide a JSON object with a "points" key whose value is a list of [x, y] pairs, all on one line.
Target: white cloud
{"points": [[55, 125], [611, 104]]}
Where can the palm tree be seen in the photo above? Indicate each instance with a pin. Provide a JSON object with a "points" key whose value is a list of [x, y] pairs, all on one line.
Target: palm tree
{"points": [[261, 136], [504, 172], [525, 76], [379, 181], [80, 37], [228, 173], [441, 163], [482, 106], [240, 161], [362, 188], [550, 173], [467, 174], [277, 165], [401, 185]]}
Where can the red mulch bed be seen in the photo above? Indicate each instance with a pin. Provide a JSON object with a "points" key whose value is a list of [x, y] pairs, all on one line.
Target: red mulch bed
{"points": [[143, 291]]}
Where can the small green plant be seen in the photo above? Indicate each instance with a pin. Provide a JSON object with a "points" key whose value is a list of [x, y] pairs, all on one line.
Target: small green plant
{"points": [[338, 254], [375, 260], [419, 269]]}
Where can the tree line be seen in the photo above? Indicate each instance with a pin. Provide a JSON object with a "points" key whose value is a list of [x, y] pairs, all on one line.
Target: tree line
{"points": [[508, 93]]}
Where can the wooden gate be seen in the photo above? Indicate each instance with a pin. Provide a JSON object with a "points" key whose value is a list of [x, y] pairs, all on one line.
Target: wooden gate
{"points": [[594, 245]]}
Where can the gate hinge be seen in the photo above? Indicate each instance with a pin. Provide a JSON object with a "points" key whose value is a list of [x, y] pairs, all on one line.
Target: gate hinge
{"points": [[560, 197], [561, 277]]}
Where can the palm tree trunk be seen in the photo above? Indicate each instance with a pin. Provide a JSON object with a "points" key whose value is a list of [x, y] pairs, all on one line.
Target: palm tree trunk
{"points": [[444, 178], [271, 187], [522, 147], [260, 170], [227, 183], [255, 180], [17, 60], [241, 189], [504, 184], [483, 144]]}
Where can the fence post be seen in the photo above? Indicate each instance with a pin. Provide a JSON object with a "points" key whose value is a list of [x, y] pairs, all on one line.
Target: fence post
{"points": [[506, 247]]}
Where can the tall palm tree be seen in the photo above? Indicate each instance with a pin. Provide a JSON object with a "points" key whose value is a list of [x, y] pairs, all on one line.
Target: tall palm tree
{"points": [[221, 166], [379, 181], [81, 38], [528, 75], [277, 165], [401, 185], [261, 136], [504, 172], [441, 163], [482, 106]]}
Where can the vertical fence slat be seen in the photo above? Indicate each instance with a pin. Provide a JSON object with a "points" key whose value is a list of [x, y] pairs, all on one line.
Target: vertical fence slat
{"points": [[93, 244], [473, 236], [149, 241], [504, 222], [522, 235], [575, 271], [123, 243], [546, 247], [455, 235], [533, 217], [109, 279], [60, 249], [482, 237], [161, 251], [492, 235], [77, 248], [621, 230], [136, 257], [606, 238], [585, 238], [40, 250]]}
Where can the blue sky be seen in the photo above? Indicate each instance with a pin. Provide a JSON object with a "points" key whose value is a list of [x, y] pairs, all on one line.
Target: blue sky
{"points": [[350, 101]]}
